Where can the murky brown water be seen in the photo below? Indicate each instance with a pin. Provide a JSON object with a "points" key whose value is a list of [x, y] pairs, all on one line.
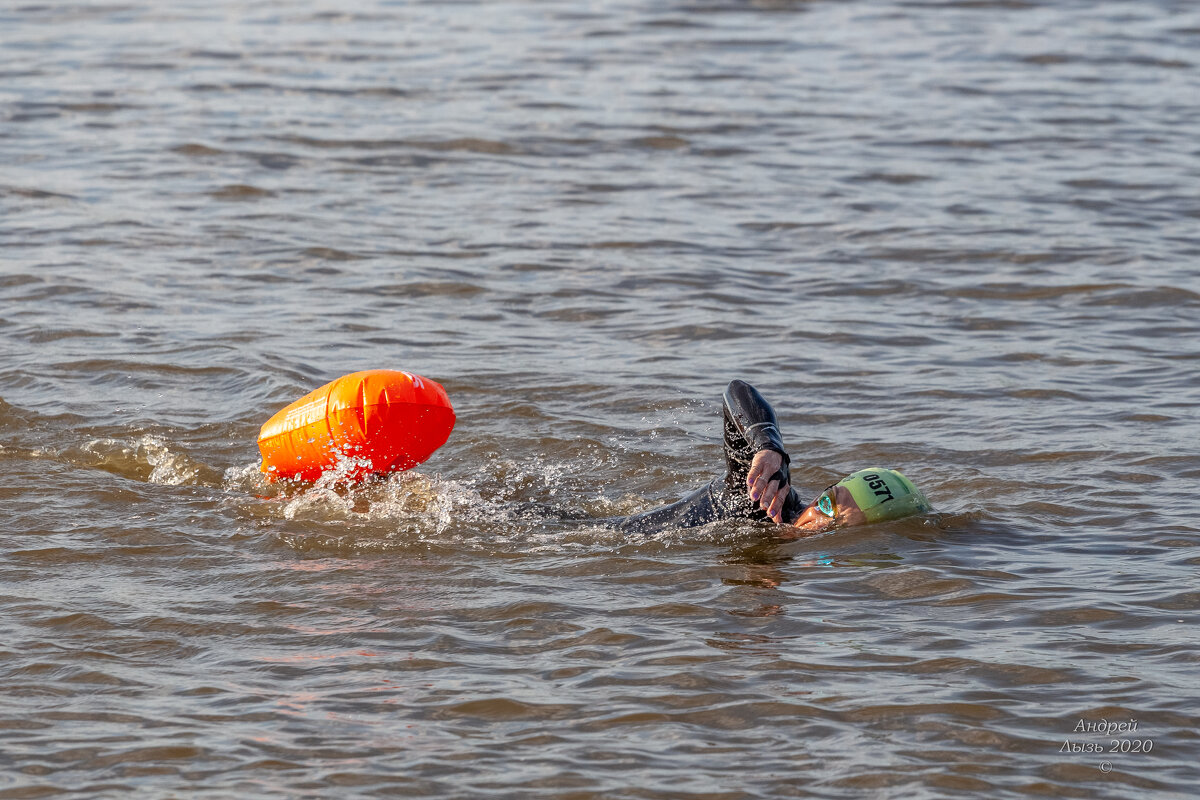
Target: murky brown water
{"points": [[959, 238]]}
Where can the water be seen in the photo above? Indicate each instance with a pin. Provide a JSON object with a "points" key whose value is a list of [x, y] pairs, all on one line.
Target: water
{"points": [[959, 238]]}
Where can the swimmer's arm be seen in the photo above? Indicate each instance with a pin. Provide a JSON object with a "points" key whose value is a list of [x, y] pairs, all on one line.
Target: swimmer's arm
{"points": [[767, 481]]}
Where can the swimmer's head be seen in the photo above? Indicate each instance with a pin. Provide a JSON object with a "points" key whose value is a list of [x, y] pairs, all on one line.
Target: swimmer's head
{"points": [[883, 494], [869, 495]]}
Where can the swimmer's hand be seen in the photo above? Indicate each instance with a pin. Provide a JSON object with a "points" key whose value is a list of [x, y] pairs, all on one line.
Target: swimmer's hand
{"points": [[765, 486]]}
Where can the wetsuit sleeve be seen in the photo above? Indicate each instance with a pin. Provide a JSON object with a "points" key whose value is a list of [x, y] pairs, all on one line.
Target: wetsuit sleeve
{"points": [[750, 426]]}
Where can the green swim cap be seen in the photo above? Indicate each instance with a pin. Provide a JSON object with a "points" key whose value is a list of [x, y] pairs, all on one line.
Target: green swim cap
{"points": [[884, 494]]}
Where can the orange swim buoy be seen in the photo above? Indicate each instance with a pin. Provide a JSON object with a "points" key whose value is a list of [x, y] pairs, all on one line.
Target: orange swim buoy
{"points": [[385, 420]]}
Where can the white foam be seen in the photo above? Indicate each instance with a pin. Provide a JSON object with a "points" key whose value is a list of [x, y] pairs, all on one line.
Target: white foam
{"points": [[502, 506], [148, 458]]}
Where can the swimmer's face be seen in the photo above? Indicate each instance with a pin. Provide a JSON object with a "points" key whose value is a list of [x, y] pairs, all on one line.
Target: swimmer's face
{"points": [[835, 499]]}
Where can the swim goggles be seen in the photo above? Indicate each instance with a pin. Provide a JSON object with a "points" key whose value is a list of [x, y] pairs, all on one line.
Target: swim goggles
{"points": [[825, 503]]}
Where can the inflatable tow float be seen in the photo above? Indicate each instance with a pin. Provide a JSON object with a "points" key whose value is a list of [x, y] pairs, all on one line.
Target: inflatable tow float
{"points": [[379, 420]]}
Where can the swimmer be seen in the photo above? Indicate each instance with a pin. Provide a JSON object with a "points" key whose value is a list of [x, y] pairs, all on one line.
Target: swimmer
{"points": [[757, 484]]}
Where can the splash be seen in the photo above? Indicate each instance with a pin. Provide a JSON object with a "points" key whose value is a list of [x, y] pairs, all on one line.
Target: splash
{"points": [[429, 501], [149, 458], [502, 506]]}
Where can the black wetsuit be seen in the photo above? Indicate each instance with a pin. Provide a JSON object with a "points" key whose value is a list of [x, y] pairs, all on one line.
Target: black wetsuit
{"points": [[750, 426]]}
